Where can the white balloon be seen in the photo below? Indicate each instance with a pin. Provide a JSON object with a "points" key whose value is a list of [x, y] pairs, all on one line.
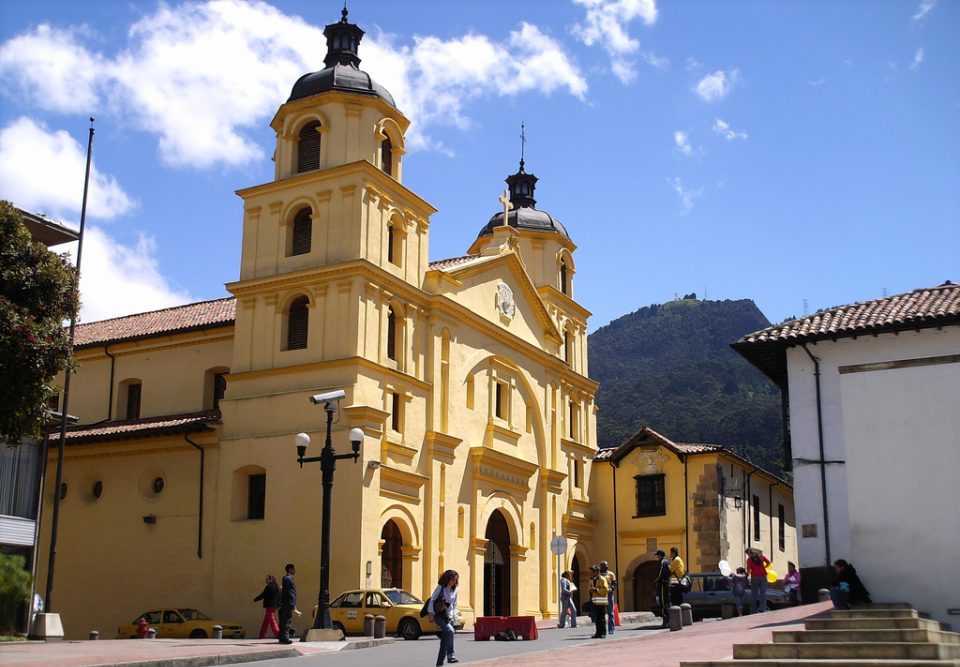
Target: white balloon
{"points": [[725, 568]]}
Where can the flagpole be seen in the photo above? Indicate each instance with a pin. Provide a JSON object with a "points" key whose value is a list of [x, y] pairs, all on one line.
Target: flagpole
{"points": [[48, 600]]}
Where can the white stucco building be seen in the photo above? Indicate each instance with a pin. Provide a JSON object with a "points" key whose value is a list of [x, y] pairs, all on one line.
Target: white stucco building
{"points": [[873, 398]]}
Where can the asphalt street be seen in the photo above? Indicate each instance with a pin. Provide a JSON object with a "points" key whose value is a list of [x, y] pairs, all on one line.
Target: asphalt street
{"points": [[423, 652]]}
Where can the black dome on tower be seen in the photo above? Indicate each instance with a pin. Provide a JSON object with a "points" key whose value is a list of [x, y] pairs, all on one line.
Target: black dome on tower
{"points": [[341, 71], [524, 214]]}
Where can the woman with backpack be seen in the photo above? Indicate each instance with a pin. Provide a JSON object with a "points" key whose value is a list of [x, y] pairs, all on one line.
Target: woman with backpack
{"points": [[442, 609]]}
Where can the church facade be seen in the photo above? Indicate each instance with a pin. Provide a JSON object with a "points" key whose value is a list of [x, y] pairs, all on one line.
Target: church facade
{"points": [[468, 377]]}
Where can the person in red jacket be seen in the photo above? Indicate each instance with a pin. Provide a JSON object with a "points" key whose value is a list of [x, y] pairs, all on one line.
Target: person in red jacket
{"points": [[757, 568]]}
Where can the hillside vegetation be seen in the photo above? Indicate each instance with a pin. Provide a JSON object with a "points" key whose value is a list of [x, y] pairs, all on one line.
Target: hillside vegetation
{"points": [[670, 367]]}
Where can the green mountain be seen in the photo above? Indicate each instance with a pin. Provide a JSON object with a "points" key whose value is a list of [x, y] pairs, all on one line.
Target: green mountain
{"points": [[670, 367]]}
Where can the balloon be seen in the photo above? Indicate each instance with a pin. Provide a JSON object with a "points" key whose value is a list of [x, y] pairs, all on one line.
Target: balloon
{"points": [[772, 576], [725, 568]]}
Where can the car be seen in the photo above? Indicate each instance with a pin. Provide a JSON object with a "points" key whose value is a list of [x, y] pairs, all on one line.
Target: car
{"points": [[400, 608], [710, 590], [181, 623]]}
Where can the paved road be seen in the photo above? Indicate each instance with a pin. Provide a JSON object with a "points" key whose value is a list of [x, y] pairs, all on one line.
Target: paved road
{"points": [[423, 652]]}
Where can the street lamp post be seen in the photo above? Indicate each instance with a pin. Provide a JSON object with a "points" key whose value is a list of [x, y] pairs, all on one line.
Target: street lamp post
{"points": [[328, 463]]}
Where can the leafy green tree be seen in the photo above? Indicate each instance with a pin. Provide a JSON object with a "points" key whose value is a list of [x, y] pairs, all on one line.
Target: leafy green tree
{"points": [[14, 589], [38, 293]]}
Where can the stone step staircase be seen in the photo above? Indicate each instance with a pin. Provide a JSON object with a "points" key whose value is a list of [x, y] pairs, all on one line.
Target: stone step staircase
{"points": [[889, 635]]}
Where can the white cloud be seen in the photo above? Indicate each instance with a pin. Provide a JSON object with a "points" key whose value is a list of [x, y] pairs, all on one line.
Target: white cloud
{"points": [[917, 58], [687, 196], [201, 76], [717, 85], [692, 64], [118, 280], [923, 9], [42, 171], [817, 82], [723, 128], [682, 142], [605, 23], [53, 68]]}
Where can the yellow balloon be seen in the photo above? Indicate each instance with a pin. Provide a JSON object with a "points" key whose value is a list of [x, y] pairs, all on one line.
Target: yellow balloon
{"points": [[772, 576]]}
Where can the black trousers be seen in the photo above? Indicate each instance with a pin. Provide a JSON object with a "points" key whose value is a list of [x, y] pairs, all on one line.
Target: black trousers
{"points": [[285, 615], [663, 592], [600, 619]]}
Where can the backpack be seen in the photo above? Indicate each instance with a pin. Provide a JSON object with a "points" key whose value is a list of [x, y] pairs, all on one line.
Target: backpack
{"points": [[439, 606], [505, 636]]}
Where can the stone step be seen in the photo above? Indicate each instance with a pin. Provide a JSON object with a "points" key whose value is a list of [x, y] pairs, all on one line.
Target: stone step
{"points": [[869, 662], [873, 613], [848, 651], [874, 623], [821, 636]]}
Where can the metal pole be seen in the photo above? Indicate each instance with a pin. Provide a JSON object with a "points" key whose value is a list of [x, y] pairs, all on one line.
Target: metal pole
{"points": [[48, 601], [559, 590], [328, 463]]}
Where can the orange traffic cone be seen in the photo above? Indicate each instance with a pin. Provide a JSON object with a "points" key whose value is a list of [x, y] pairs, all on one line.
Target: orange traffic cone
{"points": [[616, 614]]}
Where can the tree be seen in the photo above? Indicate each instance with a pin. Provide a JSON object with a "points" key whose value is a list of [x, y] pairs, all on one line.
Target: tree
{"points": [[38, 293], [14, 589]]}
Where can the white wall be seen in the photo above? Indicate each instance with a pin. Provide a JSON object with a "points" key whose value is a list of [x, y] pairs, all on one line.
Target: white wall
{"points": [[898, 431]]}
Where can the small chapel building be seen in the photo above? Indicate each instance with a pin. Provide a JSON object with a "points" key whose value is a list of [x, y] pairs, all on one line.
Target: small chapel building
{"points": [[468, 377]]}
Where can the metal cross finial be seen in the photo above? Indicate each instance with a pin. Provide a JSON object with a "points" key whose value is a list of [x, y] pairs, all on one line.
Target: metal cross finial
{"points": [[507, 205], [523, 141]]}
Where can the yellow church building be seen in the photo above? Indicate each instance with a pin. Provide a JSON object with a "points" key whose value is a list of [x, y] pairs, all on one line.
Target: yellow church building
{"points": [[467, 376]]}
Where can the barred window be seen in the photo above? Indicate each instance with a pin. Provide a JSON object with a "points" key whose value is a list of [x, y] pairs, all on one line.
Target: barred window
{"points": [[651, 496]]}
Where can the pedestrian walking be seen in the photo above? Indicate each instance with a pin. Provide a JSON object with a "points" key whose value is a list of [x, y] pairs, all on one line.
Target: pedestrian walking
{"points": [[663, 586], [738, 584], [677, 570], [443, 611], [271, 600], [567, 588], [757, 568], [288, 602], [599, 592], [612, 583]]}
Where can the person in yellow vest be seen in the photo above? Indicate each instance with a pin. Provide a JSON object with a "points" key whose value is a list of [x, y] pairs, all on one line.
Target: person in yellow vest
{"points": [[612, 582], [677, 570], [599, 589]]}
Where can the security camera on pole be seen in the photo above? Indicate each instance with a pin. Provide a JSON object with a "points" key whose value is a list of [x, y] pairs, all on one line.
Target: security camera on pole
{"points": [[322, 629]]}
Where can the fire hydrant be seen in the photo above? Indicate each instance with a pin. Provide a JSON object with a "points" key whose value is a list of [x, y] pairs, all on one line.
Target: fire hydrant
{"points": [[142, 628]]}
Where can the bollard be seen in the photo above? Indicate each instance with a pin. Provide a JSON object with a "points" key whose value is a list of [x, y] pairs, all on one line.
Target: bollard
{"points": [[823, 595], [686, 614], [368, 625], [152, 633], [94, 635], [218, 632], [726, 610], [379, 627], [675, 622]]}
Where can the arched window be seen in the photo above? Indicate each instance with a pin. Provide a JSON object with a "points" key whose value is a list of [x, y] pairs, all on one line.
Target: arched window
{"points": [[308, 150], [563, 276], [297, 322], [302, 232], [386, 156], [391, 334], [391, 245]]}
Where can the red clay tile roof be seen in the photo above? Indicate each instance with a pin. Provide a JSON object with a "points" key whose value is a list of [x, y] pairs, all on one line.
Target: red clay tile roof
{"points": [[219, 312], [648, 436], [922, 308], [139, 428], [451, 263]]}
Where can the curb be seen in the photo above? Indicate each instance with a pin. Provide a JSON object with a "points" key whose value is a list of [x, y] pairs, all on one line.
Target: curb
{"points": [[367, 642], [205, 660]]}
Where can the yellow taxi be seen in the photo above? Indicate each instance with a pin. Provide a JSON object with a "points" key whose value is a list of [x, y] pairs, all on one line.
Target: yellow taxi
{"points": [[400, 608], [181, 623]]}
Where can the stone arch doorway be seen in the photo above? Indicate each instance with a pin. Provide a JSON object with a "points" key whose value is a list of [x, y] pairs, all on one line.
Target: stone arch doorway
{"points": [[644, 590], [391, 559], [496, 567], [577, 573]]}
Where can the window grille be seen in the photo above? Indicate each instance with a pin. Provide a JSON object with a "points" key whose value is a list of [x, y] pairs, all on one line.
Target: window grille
{"points": [[297, 323], [308, 150]]}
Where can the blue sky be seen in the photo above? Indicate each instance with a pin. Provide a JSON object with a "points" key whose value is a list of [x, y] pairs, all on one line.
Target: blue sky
{"points": [[779, 151]]}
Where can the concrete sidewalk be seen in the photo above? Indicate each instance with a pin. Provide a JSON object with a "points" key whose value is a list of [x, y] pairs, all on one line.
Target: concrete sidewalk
{"points": [[631, 644], [166, 652], [652, 647]]}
